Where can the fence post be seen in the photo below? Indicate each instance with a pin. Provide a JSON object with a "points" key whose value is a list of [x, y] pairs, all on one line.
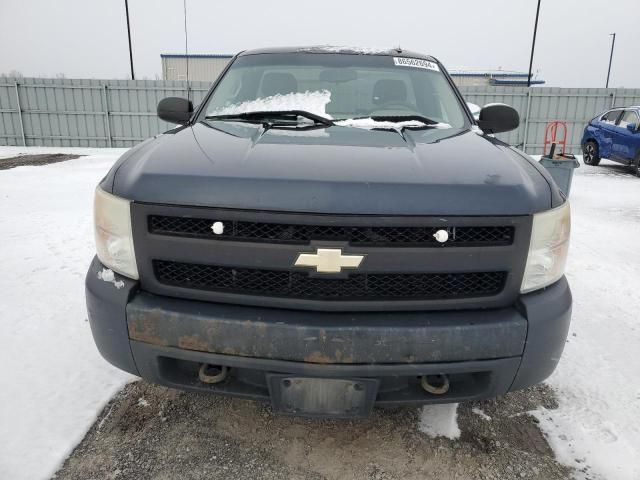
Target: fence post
{"points": [[613, 99], [105, 97], [526, 121], [24, 140]]}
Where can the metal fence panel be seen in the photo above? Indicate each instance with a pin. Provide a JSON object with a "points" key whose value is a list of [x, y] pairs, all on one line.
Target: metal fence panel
{"points": [[83, 112], [9, 118], [539, 105], [121, 113]]}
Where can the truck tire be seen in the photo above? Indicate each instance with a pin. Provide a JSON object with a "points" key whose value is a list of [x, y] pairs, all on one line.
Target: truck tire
{"points": [[591, 155]]}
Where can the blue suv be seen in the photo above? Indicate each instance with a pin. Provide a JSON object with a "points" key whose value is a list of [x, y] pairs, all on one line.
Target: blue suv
{"points": [[614, 135]]}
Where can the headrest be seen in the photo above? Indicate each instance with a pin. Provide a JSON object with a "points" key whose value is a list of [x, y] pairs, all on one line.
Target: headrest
{"points": [[279, 83], [387, 91]]}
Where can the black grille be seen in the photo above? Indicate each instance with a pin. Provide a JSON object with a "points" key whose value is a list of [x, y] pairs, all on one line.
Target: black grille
{"points": [[372, 286], [301, 234]]}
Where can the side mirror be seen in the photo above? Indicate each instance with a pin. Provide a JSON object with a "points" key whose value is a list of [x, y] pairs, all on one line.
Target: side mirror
{"points": [[474, 109], [498, 117], [175, 110], [632, 127]]}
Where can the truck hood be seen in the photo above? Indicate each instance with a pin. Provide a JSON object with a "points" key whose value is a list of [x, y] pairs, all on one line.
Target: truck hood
{"points": [[336, 170]]}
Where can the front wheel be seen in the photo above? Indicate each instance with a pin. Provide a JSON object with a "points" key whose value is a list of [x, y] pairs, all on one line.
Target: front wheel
{"points": [[636, 165], [590, 153]]}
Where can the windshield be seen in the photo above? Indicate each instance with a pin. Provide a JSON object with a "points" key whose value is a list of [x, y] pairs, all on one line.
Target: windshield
{"points": [[337, 86]]}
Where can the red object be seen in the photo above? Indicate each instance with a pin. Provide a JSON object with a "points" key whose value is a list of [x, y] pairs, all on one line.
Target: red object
{"points": [[556, 132]]}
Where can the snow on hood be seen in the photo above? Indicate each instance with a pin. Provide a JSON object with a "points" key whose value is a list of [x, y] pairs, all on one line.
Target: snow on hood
{"points": [[313, 102], [370, 124]]}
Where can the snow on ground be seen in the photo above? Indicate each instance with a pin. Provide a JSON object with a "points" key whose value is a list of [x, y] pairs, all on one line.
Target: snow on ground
{"points": [[440, 420], [54, 381], [598, 378], [481, 414], [7, 152], [596, 428]]}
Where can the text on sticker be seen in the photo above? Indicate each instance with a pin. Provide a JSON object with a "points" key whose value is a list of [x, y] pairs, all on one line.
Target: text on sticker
{"points": [[416, 63]]}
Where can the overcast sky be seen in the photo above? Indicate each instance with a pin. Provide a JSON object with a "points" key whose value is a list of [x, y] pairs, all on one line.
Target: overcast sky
{"points": [[88, 38]]}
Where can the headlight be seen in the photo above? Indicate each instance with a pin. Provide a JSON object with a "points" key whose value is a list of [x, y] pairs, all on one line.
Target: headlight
{"points": [[114, 239], [548, 248]]}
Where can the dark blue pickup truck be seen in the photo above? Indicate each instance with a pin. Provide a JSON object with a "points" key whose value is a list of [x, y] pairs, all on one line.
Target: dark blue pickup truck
{"points": [[328, 231], [614, 135]]}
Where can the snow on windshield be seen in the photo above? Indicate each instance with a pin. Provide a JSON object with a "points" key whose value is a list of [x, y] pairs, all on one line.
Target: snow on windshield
{"points": [[370, 124], [309, 101], [313, 102]]}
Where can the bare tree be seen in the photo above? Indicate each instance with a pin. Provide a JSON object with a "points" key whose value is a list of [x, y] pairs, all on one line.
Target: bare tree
{"points": [[12, 74]]}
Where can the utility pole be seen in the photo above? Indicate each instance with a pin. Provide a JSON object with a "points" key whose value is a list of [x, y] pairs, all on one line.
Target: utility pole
{"points": [[533, 44], [613, 44], [126, 7]]}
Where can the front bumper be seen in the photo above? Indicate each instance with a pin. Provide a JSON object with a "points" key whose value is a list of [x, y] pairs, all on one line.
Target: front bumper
{"points": [[484, 352]]}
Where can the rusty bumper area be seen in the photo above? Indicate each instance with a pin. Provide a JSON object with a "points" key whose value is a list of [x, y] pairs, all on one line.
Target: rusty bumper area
{"points": [[483, 353], [398, 384], [326, 338]]}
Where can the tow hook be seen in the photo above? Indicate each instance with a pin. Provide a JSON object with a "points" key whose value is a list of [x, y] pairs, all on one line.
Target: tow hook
{"points": [[435, 384], [212, 373]]}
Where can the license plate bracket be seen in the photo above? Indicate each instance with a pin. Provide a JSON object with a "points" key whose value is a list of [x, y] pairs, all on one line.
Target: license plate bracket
{"points": [[322, 397]]}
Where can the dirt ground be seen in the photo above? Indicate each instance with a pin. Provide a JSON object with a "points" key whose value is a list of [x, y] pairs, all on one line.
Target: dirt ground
{"points": [[43, 159], [151, 432]]}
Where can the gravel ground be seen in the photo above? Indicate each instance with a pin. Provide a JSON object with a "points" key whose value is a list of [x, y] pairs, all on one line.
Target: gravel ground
{"points": [[151, 432], [42, 159]]}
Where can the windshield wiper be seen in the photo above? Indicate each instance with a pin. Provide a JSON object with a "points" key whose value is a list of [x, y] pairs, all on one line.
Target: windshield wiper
{"points": [[265, 116]]}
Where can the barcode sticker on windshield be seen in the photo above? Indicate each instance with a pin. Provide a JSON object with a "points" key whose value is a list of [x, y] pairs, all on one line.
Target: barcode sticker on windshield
{"points": [[416, 63]]}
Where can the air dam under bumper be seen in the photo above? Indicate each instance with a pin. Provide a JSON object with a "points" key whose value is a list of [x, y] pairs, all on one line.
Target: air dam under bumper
{"points": [[483, 352]]}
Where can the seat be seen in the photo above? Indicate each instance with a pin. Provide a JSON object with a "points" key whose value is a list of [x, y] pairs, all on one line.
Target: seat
{"points": [[279, 83], [389, 91]]}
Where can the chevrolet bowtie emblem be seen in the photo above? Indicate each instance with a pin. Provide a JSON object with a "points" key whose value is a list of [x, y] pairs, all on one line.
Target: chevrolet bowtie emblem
{"points": [[328, 260]]}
